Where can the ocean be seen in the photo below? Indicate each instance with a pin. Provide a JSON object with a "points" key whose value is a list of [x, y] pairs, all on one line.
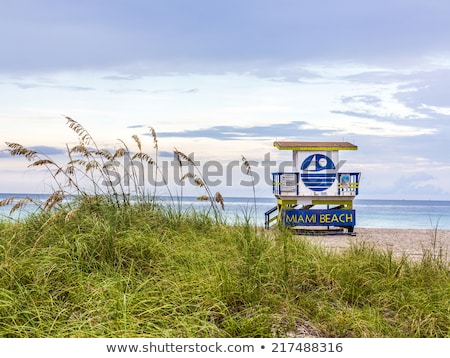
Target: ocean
{"points": [[390, 214]]}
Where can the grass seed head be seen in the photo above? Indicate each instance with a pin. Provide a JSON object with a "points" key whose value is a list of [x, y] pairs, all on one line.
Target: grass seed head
{"points": [[7, 201], [82, 133], [20, 203], [16, 149], [55, 198], [81, 149], [246, 164], [219, 199], [184, 156], [199, 182], [138, 141], [155, 138], [187, 175], [42, 162], [119, 153]]}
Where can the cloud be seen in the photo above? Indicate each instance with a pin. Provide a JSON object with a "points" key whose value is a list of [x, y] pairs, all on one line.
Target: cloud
{"points": [[416, 100], [165, 154], [136, 126], [46, 150], [128, 90], [26, 86], [363, 99], [226, 132], [121, 77], [368, 126], [289, 74], [378, 76], [363, 115], [387, 125], [421, 183], [430, 88], [210, 37], [161, 91], [173, 90], [414, 87]]}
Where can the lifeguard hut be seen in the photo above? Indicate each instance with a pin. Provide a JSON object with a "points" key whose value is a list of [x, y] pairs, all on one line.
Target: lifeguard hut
{"points": [[315, 196]]}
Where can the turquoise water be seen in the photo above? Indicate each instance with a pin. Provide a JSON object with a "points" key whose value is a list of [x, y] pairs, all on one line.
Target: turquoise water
{"points": [[399, 214], [403, 214]]}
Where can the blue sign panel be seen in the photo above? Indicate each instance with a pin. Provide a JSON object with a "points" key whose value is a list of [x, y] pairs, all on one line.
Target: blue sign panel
{"points": [[318, 172], [298, 217]]}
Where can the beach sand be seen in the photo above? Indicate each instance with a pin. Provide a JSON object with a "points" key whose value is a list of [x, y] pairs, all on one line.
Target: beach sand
{"points": [[411, 242]]}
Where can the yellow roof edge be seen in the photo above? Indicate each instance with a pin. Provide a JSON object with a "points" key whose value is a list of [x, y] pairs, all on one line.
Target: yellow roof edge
{"points": [[320, 147]]}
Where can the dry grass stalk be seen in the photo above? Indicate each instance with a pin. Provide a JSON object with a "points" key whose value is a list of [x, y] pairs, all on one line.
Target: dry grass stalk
{"points": [[187, 175], [180, 163], [42, 162], [138, 141], [184, 156], [105, 153], [55, 198], [92, 164], [70, 170], [199, 182], [82, 133], [143, 156], [246, 164], [77, 161], [249, 172], [119, 153], [71, 214], [81, 149], [7, 201], [219, 199], [20, 203], [155, 139], [18, 149], [203, 198]]}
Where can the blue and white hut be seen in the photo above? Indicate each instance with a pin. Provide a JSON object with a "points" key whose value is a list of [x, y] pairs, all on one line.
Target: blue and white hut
{"points": [[315, 194]]}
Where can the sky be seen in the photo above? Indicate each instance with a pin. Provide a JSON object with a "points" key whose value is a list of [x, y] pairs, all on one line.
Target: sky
{"points": [[222, 79]]}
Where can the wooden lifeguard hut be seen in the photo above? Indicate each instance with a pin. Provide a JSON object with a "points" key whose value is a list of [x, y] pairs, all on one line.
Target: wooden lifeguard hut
{"points": [[315, 196]]}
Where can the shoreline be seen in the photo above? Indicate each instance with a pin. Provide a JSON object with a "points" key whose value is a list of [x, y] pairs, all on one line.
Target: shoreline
{"points": [[410, 242]]}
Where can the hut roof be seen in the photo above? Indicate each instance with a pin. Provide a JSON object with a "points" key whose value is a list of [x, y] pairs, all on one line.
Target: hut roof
{"points": [[313, 146]]}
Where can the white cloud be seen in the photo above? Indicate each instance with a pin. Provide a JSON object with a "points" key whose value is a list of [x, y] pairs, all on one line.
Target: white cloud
{"points": [[440, 110]]}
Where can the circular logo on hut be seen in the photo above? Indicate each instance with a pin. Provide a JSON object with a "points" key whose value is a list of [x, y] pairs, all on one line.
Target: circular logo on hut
{"points": [[319, 172]]}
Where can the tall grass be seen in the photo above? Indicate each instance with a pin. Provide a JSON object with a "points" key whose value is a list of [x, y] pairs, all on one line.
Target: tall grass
{"points": [[134, 271], [104, 266]]}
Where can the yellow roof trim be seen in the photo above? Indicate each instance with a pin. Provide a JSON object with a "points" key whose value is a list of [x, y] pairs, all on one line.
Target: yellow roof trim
{"points": [[315, 146]]}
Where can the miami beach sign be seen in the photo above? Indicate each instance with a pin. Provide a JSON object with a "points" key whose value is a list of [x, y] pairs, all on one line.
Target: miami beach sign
{"points": [[298, 217]]}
